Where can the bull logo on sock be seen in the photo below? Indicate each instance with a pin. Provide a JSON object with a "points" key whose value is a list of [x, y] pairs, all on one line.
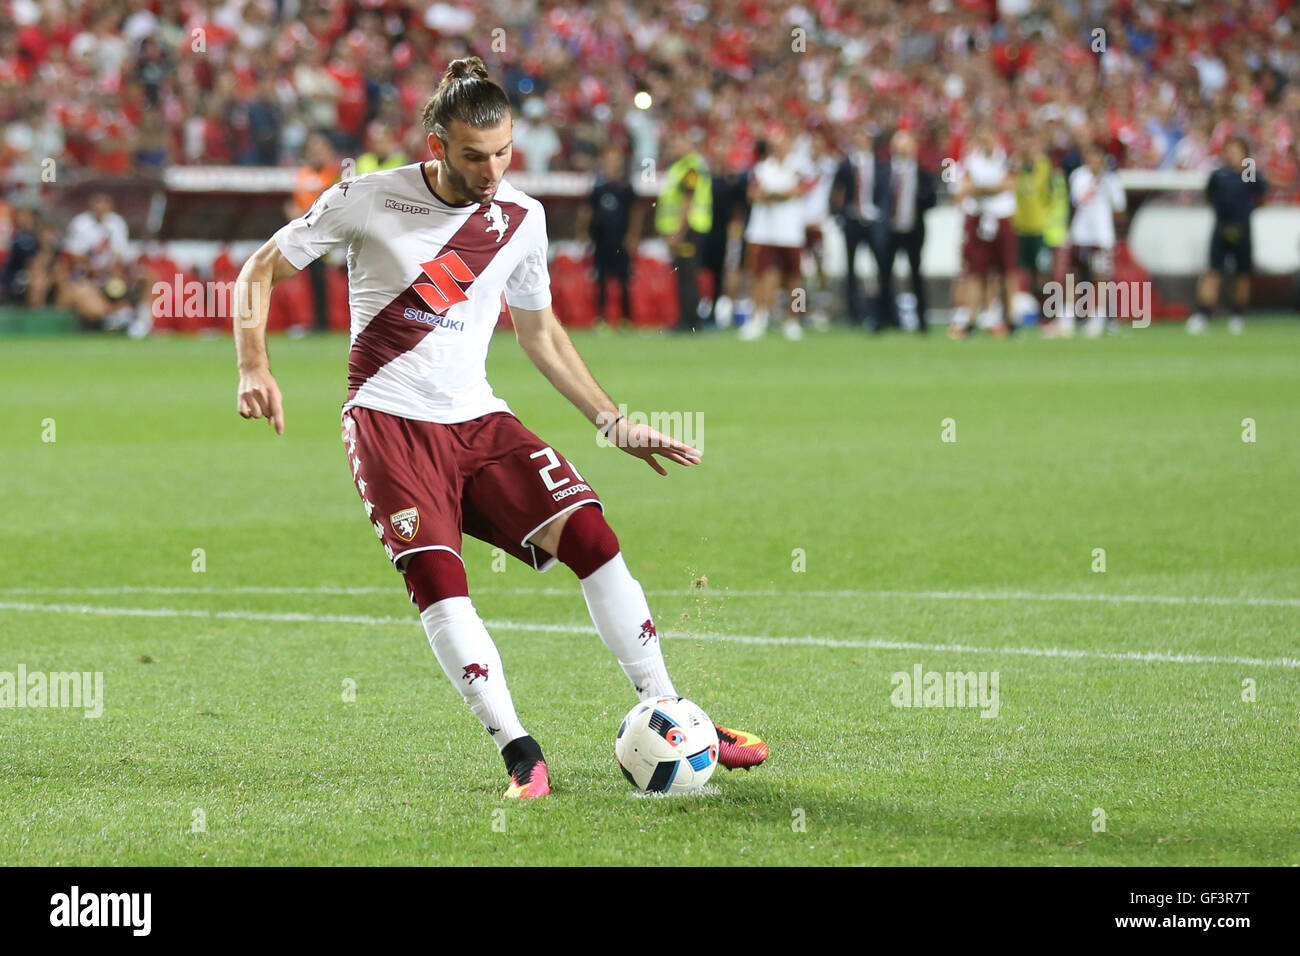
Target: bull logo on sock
{"points": [[647, 633], [474, 671], [405, 523]]}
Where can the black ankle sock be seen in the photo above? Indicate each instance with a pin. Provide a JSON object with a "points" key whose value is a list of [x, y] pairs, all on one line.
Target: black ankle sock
{"points": [[520, 755]]}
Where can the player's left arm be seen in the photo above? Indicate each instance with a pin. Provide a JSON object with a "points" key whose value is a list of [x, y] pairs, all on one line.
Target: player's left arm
{"points": [[549, 347]]}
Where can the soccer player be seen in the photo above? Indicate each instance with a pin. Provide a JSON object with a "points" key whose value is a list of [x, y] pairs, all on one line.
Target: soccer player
{"points": [[1033, 200], [987, 195], [1098, 197], [776, 231], [433, 452], [1233, 195]]}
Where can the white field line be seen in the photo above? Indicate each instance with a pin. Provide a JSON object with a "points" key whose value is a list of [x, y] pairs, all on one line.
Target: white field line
{"points": [[1210, 600], [806, 640]]}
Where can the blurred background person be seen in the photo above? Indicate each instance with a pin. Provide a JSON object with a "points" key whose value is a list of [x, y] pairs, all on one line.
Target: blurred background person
{"points": [[683, 217], [320, 172], [986, 192], [97, 279], [612, 219], [912, 192], [384, 151], [24, 243], [775, 232], [858, 197], [1033, 205], [1098, 198], [1234, 190], [720, 254], [535, 137], [821, 164]]}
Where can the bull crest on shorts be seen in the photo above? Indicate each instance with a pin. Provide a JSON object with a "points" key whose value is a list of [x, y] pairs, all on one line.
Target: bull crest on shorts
{"points": [[405, 523]]}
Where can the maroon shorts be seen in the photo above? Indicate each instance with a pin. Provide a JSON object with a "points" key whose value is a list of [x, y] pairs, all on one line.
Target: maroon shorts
{"points": [[786, 259], [1095, 263], [980, 256], [423, 483]]}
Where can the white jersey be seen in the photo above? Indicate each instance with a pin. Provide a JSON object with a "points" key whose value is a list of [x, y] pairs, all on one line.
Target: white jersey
{"points": [[778, 222], [988, 171], [101, 241], [1096, 200], [817, 202], [425, 281]]}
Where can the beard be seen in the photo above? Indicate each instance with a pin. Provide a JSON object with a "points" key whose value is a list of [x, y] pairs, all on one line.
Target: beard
{"points": [[463, 192]]}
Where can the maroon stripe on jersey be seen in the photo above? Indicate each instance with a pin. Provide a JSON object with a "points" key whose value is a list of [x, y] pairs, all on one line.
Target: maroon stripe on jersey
{"points": [[389, 334]]}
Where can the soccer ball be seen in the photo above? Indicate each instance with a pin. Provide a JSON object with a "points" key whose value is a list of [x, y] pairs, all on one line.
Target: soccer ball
{"points": [[667, 745]]}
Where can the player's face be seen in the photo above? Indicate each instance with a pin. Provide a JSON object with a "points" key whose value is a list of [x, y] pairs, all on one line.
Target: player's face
{"points": [[476, 159]]}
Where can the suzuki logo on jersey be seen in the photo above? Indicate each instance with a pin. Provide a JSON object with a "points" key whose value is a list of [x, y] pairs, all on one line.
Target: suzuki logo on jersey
{"points": [[443, 290], [432, 318], [498, 221]]}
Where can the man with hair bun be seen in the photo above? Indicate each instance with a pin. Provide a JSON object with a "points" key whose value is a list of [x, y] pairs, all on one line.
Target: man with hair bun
{"points": [[431, 249]]}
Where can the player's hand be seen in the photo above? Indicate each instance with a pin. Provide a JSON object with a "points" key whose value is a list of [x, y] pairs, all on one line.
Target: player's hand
{"points": [[259, 397], [642, 441]]}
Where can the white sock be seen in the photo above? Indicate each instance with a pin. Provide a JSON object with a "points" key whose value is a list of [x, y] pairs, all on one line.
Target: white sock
{"points": [[471, 662], [722, 312], [622, 617], [961, 317]]}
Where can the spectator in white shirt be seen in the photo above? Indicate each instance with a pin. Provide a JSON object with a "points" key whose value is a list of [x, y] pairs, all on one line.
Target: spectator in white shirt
{"points": [[1097, 197], [96, 277]]}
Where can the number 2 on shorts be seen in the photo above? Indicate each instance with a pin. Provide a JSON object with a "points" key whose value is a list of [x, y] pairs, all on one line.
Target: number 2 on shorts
{"points": [[553, 463]]}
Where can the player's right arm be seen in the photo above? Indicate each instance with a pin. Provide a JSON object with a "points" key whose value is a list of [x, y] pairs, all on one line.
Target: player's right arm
{"points": [[334, 219], [258, 395]]}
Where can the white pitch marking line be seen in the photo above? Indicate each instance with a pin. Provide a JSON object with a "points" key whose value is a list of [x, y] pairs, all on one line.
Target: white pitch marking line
{"points": [[1210, 600], [807, 640]]}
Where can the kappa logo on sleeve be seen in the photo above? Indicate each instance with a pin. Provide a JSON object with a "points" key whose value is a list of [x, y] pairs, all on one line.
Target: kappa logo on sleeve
{"points": [[405, 523]]}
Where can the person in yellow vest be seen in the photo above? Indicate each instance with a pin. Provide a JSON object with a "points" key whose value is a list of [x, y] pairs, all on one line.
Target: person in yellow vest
{"points": [[384, 152], [1033, 203], [683, 216], [1056, 232], [320, 172]]}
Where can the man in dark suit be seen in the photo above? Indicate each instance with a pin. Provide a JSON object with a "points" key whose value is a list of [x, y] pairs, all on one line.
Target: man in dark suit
{"points": [[912, 192], [859, 199]]}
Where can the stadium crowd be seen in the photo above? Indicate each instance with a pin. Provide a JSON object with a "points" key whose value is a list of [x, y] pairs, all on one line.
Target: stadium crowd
{"points": [[116, 87]]}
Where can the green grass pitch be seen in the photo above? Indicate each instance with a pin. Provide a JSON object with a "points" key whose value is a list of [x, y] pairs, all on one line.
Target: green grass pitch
{"points": [[843, 540]]}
